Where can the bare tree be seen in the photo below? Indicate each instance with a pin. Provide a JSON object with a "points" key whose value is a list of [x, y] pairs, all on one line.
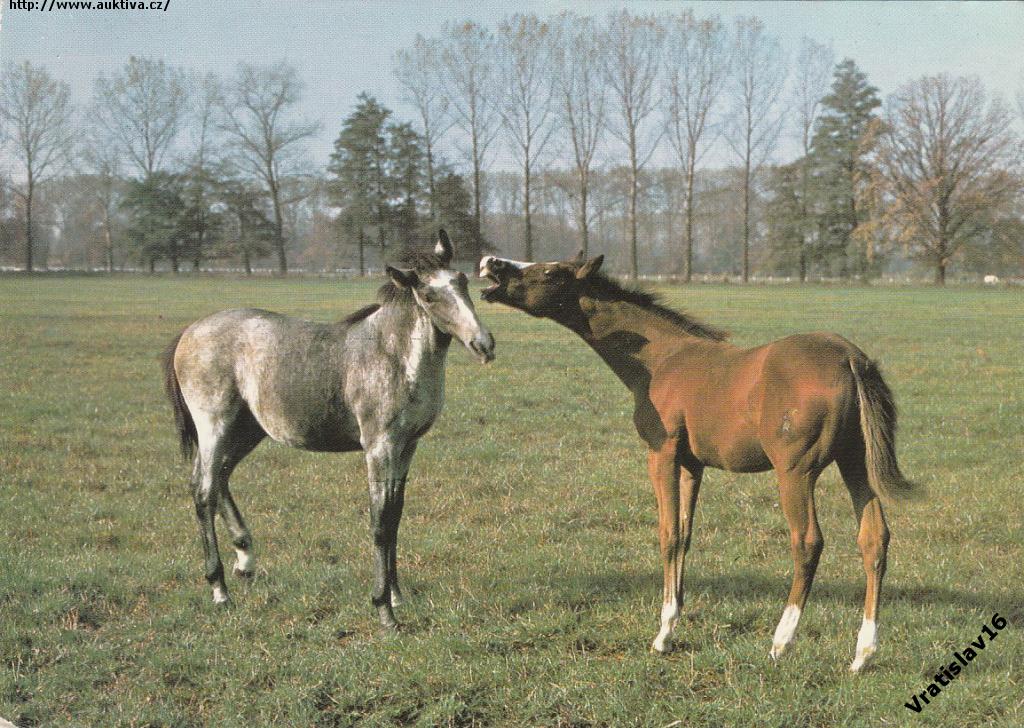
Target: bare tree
{"points": [[697, 66], [813, 71], [946, 162], [142, 106], [525, 105], [759, 73], [206, 99], [631, 60], [418, 70], [467, 62], [265, 144], [36, 122], [102, 160], [580, 103]]}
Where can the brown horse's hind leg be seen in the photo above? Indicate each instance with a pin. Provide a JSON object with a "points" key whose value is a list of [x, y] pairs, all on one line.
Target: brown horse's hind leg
{"points": [[675, 487], [796, 491], [873, 541]]}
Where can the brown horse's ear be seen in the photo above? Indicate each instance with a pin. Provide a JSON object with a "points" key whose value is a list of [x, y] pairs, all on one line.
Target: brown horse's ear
{"points": [[590, 267], [402, 278], [444, 250]]}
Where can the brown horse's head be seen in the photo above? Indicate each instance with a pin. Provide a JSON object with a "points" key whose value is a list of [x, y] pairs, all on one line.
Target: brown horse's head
{"points": [[539, 289]]}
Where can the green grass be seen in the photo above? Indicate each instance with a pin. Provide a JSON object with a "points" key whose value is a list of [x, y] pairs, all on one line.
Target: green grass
{"points": [[528, 547]]}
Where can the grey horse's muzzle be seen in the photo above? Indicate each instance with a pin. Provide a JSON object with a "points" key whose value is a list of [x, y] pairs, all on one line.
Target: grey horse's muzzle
{"points": [[483, 346]]}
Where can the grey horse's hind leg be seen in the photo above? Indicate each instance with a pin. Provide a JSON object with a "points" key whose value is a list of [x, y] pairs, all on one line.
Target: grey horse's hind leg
{"points": [[241, 538], [206, 496], [224, 439], [245, 435], [387, 465]]}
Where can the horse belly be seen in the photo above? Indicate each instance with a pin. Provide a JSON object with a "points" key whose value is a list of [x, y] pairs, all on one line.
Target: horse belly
{"points": [[737, 453]]}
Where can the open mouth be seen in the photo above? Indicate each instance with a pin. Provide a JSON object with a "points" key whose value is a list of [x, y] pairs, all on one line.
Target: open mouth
{"points": [[490, 292]]}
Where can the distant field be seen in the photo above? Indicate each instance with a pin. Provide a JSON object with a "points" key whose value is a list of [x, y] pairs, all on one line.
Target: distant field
{"points": [[528, 547]]}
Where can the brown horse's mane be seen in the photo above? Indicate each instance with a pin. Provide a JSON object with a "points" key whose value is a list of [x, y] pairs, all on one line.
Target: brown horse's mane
{"points": [[604, 288]]}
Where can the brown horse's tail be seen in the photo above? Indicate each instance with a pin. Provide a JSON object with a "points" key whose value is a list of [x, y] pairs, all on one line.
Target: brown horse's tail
{"points": [[187, 434], [878, 426]]}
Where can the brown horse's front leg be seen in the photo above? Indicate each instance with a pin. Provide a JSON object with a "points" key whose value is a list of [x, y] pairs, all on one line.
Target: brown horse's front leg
{"points": [[676, 486]]}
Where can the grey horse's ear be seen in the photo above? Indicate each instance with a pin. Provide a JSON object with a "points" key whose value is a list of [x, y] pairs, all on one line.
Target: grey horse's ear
{"points": [[443, 249], [590, 267], [580, 257], [402, 278]]}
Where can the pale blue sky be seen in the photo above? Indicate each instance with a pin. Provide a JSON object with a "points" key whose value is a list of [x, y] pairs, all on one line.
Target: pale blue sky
{"points": [[342, 48]]}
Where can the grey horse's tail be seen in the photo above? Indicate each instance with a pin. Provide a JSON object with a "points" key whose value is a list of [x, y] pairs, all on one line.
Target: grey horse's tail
{"points": [[878, 427], [187, 434]]}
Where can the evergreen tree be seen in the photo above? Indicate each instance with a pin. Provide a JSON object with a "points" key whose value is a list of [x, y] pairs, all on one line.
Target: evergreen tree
{"points": [[455, 210], [406, 178], [156, 225], [839, 151], [360, 166], [248, 231], [783, 213]]}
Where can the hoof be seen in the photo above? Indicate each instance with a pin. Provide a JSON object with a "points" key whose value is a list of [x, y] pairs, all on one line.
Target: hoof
{"points": [[778, 650], [246, 574], [220, 596], [862, 659], [661, 647], [396, 599]]}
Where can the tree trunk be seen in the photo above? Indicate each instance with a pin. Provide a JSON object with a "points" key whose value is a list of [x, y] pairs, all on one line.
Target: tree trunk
{"points": [[526, 210], [633, 192], [584, 228], [28, 225], [478, 222], [362, 254], [246, 262], [108, 240], [746, 222], [431, 189], [690, 174], [940, 272], [282, 260], [152, 265]]}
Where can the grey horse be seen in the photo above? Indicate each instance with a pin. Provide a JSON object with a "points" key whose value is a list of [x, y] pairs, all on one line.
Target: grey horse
{"points": [[373, 381]]}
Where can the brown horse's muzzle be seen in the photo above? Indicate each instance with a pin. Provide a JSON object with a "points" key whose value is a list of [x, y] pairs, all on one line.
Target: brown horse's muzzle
{"points": [[497, 271]]}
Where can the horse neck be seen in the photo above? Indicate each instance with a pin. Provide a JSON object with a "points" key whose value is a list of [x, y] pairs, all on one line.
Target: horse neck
{"points": [[630, 339], [406, 331]]}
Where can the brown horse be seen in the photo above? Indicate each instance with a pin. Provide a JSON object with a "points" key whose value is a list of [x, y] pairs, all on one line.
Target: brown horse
{"points": [[794, 405]]}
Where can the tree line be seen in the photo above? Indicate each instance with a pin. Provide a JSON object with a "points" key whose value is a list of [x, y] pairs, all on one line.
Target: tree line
{"points": [[608, 126]]}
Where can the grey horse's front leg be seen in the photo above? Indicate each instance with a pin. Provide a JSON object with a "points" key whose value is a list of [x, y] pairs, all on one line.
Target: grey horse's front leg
{"points": [[387, 466]]}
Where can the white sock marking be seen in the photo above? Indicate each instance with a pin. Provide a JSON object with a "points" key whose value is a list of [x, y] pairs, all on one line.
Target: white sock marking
{"points": [[244, 561], [785, 631], [219, 595], [669, 617], [867, 644]]}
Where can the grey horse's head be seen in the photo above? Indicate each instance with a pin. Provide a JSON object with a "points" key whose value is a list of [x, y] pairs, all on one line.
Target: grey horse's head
{"points": [[443, 294]]}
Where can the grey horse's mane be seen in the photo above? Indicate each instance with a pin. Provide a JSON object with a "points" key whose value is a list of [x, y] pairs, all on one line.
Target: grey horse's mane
{"points": [[420, 261]]}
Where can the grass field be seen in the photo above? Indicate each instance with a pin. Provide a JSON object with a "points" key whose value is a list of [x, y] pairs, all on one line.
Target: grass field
{"points": [[528, 549]]}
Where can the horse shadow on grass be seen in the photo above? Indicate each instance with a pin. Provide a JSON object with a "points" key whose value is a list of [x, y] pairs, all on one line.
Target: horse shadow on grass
{"points": [[753, 586]]}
